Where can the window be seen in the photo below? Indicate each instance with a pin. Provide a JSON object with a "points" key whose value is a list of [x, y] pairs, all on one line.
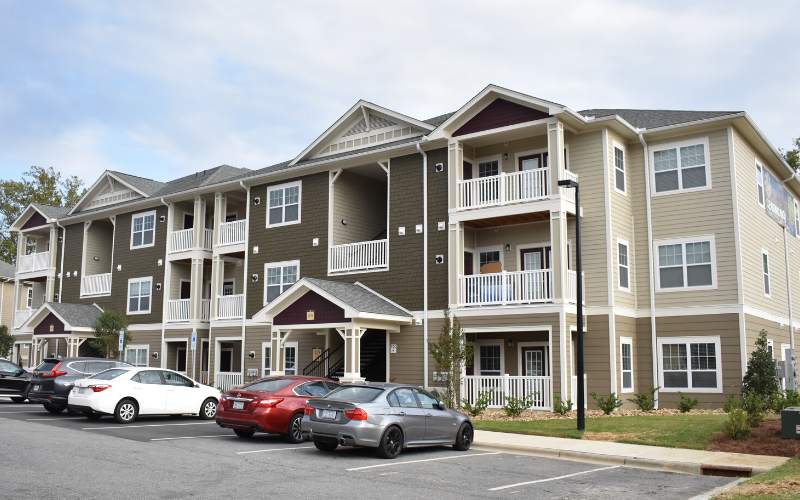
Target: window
{"points": [[110, 374], [796, 218], [139, 295], [268, 385], [490, 359], [404, 398], [230, 217], [771, 349], [267, 366], [760, 182], [622, 263], [136, 355], [488, 168], [149, 377], [619, 168], [489, 257], [172, 378], [227, 288], [681, 167], [686, 264], [690, 364], [280, 277], [427, 401], [30, 298], [765, 269], [626, 363], [284, 204], [143, 230], [290, 358], [314, 389]]}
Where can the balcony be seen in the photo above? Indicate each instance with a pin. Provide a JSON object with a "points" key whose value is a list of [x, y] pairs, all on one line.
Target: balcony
{"points": [[504, 189], [502, 386], [517, 287], [228, 380], [33, 262], [180, 310], [205, 309], [97, 284], [22, 316], [183, 240], [230, 307], [360, 256], [569, 194], [232, 233]]}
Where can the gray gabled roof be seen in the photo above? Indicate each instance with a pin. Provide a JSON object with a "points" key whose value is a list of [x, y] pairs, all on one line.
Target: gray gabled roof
{"points": [[438, 120], [51, 211], [77, 315], [7, 270], [359, 297], [654, 118], [147, 186]]}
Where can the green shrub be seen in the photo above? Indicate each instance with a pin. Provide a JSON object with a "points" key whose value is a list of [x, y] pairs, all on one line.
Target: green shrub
{"points": [[645, 402], [561, 407], [608, 404], [480, 404], [686, 403], [736, 427], [785, 399], [762, 375], [515, 406], [731, 404], [753, 404]]}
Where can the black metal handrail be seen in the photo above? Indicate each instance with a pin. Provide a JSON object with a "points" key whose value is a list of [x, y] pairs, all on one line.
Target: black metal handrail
{"points": [[317, 367]]}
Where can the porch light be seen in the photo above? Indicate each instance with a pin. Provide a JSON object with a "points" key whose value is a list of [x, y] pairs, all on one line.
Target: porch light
{"points": [[96, 258], [344, 222], [508, 247], [254, 278], [252, 354], [155, 355], [510, 343], [505, 156]]}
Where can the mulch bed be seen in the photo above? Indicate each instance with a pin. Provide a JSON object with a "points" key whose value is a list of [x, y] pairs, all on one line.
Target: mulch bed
{"points": [[763, 440]]}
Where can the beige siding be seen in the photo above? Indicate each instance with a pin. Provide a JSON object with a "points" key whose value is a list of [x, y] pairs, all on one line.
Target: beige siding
{"points": [[521, 235], [179, 209], [621, 210], [99, 243], [626, 327], [180, 271], [7, 304], [513, 148], [361, 201], [776, 332], [596, 360]]}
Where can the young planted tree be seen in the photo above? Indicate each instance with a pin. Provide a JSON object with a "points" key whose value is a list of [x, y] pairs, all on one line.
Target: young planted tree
{"points": [[451, 353], [6, 342], [761, 377], [106, 332]]}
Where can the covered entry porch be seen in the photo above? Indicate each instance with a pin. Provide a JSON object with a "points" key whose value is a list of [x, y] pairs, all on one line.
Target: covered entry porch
{"points": [[60, 329]]}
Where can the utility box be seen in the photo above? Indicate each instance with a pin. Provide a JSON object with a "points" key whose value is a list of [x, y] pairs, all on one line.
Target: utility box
{"points": [[790, 423]]}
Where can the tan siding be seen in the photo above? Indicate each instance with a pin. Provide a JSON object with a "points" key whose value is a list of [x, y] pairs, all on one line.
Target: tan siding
{"points": [[514, 147], [537, 233], [626, 327], [151, 338], [640, 258], [7, 309], [621, 209], [775, 332], [180, 271], [99, 243], [361, 201], [596, 360]]}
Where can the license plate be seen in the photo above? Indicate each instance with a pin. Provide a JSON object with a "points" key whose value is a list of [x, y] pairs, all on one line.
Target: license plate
{"points": [[238, 405], [329, 414], [36, 388]]}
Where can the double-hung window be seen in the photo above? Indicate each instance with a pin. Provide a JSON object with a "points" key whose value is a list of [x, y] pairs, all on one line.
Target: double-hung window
{"points": [[284, 204], [681, 167], [488, 168], [143, 230], [490, 361], [623, 266], [280, 276], [139, 290], [687, 263], [760, 183], [765, 269], [136, 355], [626, 363], [30, 298], [619, 168], [690, 364]]}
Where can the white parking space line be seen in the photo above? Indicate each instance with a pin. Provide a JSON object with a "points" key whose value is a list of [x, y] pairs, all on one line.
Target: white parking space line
{"points": [[147, 425], [21, 411], [274, 449], [553, 478], [51, 418], [418, 461], [195, 437]]}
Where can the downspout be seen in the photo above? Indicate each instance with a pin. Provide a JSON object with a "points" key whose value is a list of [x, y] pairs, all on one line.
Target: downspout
{"points": [[63, 248], [244, 277], [650, 262], [163, 359], [788, 274], [424, 264]]}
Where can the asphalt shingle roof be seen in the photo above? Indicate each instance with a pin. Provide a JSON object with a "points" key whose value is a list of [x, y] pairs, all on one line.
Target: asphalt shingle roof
{"points": [[359, 297], [7, 270], [80, 315], [653, 118], [51, 211], [438, 120]]}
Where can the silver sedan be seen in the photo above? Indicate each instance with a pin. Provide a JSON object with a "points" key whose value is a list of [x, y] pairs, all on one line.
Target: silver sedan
{"points": [[389, 417]]}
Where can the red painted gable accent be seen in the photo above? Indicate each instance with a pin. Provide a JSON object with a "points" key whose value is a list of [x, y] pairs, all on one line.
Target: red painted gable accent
{"points": [[43, 328], [35, 220], [325, 311], [500, 113]]}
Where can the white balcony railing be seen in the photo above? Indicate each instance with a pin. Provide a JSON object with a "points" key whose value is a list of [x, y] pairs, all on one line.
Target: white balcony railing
{"points": [[178, 310], [22, 316], [208, 239], [182, 240], [537, 389], [574, 392], [505, 287], [572, 287], [33, 262], [228, 380], [359, 256], [205, 309], [230, 307], [96, 284], [204, 377], [517, 187], [569, 193], [232, 233]]}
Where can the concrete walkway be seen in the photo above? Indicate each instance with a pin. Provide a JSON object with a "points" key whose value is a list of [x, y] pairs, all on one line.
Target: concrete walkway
{"points": [[633, 455]]}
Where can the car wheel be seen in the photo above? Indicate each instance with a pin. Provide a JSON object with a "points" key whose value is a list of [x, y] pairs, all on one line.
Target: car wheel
{"points": [[464, 437], [126, 411], [208, 409], [18, 400], [391, 443], [325, 445], [244, 433], [92, 416], [54, 409], [295, 435]]}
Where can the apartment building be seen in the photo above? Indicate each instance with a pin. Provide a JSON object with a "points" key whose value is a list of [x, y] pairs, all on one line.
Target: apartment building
{"points": [[342, 261]]}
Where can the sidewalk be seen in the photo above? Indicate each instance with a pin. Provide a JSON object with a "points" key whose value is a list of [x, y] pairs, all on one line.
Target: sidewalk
{"points": [[632, 455]]}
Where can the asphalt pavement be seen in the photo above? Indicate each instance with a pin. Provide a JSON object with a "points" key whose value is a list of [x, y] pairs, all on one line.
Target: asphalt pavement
{"points": [[167, 457]]}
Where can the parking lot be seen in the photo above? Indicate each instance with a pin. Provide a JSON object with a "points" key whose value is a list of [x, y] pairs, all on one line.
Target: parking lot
{"points": [[163, 457]]}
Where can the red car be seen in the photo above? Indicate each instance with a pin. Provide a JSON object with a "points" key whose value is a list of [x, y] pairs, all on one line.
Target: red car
{"points": [[271, 404]]}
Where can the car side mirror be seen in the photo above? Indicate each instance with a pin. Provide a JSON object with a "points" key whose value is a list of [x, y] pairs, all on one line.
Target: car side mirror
{"points": [[441, 406]]}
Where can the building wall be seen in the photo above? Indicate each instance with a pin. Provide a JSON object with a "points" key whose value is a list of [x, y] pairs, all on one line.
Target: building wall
{"points": [[151, 338], [99, 243], [361, 201], [7, 304], [622, 223]]}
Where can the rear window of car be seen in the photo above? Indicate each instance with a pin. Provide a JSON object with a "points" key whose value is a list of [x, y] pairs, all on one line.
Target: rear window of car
{"points": [[47, 366], [78, 366], [357, 394], [108, 374], [268, 385], [98, 366]]}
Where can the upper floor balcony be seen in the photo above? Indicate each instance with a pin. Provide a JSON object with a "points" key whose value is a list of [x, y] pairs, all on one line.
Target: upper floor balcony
{"points": [[96, 284], [513, 287], [359, 256], [184, 240], [232, 233], [509, 188], [39, 261]]}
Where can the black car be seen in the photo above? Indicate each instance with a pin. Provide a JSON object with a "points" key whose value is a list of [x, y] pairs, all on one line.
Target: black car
{"points": [[14, 381], [53, 379]]}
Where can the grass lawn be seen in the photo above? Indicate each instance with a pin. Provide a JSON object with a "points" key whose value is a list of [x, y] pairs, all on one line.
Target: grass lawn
{"points": [[673, 431], [780, 482]]}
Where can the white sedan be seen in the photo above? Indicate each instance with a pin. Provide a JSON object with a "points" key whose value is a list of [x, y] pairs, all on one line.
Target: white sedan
{"points": [[129, 392]]}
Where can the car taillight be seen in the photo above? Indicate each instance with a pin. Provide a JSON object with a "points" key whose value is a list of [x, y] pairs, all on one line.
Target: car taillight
{"points": [[99, 387], [55, 372], [308, 410], [268, 403], [223, 399], [357, 414]]}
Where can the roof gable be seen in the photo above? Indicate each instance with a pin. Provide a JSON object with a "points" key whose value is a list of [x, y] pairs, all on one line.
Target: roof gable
{"points": [[37, 215], [500, 113], [112, 188], [67, 317]]}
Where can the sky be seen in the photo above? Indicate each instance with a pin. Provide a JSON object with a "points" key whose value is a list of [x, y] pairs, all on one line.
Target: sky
{"points": [[162, 89]]}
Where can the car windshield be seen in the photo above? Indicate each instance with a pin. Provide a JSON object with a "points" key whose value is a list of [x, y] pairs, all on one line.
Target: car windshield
{"points": [[355, 393], [109, 374], [268, 384]]}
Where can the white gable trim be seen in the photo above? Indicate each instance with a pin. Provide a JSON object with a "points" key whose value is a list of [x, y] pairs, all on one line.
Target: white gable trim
{"points": [[41, 313], [26, 214], [108, 178]]}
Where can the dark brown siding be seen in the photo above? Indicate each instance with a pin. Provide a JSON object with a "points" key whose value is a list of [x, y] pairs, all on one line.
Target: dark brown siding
{"points": [[325, 311], [43, 328], [35, 220], [500, 113]]}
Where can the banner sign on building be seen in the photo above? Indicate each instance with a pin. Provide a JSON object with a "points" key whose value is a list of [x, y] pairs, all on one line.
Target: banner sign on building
{"points": [[779, 204]]}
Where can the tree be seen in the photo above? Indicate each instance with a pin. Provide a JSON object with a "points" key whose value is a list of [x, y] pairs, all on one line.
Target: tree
{"points": [[40, 185], [792, 156], [106, 332], [6, 342], [761, 377], [451, 353]]}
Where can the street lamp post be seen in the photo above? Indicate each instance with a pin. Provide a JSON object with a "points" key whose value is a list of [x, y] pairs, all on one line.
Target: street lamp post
{"points": [[568, 183]]}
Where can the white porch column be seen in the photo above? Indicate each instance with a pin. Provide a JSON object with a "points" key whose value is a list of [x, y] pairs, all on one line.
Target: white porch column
{"points": [[50, 289], [220, 210], [53, 249], [217, 275], [555, 154], [196, 293], [278, 339], [199, 221], [352, 354]]}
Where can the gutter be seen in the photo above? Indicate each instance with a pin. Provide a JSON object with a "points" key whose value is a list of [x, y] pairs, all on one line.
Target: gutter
{"points": [[244, 278], [163, 290], [63, 251], [424, 263], [650, 263]]}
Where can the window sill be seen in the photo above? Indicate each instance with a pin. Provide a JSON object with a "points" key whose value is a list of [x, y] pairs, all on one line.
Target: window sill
{"points": [[134, 313], [674, 390], [680, 191], [142, 246], [283, 224], [687, 289]]}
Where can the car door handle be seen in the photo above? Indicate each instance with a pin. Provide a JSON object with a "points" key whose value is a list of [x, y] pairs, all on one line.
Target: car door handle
{"points": [[402, 414], [428, 415]]}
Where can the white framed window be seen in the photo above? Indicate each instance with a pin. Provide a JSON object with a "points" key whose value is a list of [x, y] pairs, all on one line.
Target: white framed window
{"points": [[266, 360], [143, 230], [796, 217], [290, 358], [137, 355], [760, 183], [231, 216], [771, 349], [30, 298], [489, 168], [686, 263], [228, 287], [680, 167], [623, 267], [490, 359], [280, 276], [765, 271], [619, 168], [626, 363], [284, 201], [139, 295], [690, 364]]}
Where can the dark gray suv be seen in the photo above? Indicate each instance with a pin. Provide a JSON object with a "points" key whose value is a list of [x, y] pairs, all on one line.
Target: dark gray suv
{"points": [[53, 379]]}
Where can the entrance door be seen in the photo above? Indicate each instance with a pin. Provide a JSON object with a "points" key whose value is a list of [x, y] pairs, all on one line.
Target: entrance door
{"points": [[180, 365], [188, 221], [468, 264], [534, 361], [226, 360], [186, 289], [535, 286], [290, 358], [467, 173]]}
